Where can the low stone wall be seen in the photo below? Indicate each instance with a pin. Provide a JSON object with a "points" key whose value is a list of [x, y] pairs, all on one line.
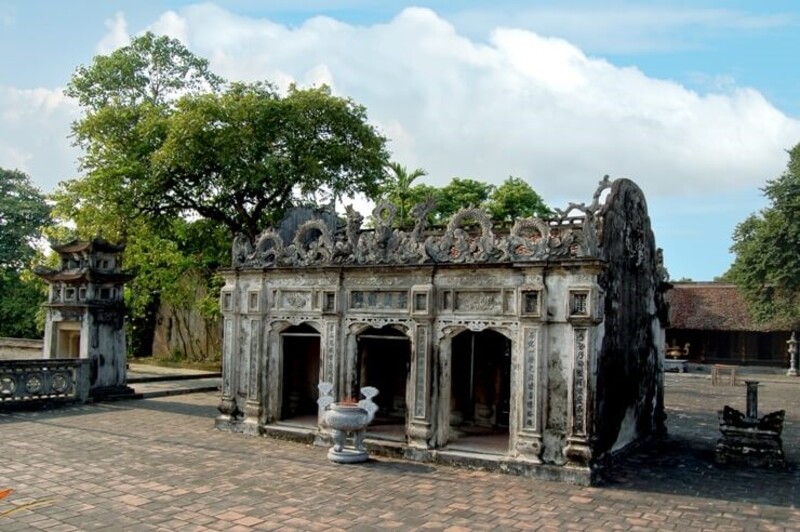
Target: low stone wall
{"points": [[20, 349], [38, 381]]}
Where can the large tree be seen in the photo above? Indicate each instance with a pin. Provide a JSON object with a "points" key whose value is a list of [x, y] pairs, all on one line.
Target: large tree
{"points": [[767, 250], [175, 160], [515, 198], [23, 214], [460, 193], [239, 156], [126, 97]]}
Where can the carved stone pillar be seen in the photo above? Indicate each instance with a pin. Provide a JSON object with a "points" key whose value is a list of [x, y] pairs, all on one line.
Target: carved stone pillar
{"points": [[227, 405], [419, 429], [577, 451], [527, 397], [254, 406], [329, 362]]}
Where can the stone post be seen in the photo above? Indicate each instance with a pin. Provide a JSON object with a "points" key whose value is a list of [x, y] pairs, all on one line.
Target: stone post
{"points": [[792, 356], [752, 399]]}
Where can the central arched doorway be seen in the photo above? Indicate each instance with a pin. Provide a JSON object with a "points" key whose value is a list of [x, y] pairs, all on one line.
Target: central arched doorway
{"points": [[383, 359], [300, 347], [480, 391]]}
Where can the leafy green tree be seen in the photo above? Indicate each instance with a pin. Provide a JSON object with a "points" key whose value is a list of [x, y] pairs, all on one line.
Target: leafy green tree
{"points": [[461, 193], [126, 97], [23, 214], [239, 156], [165, 140], [398, 189], [514, 199], [766, 247]]}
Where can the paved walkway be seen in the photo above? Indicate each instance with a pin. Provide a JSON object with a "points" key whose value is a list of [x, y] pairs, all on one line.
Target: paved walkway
{"points": [[158, 464]]}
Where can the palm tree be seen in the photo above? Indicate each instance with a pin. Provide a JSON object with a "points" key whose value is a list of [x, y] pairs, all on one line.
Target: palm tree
{"points": [[399, 188]]}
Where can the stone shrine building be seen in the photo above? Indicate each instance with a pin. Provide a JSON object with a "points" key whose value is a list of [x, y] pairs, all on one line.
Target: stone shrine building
{"points": [[537, 351], [85, 312]]}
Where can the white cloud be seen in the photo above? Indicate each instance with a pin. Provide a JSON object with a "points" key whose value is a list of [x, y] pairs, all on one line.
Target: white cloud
{"points": [[620, 27], [519, 104], [116, 35], [34, 126]]}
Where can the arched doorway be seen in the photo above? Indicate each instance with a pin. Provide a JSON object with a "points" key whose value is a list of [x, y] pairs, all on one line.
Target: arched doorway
{"points": [[480, 391], [383, 358], [300, 347]]}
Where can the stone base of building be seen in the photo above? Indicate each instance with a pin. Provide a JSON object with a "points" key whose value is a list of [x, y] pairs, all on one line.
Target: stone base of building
{"points": [[582, 476], [113, 393]]}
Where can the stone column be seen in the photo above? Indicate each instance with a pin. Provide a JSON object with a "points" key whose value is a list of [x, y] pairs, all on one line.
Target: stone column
{"points": [[792, 372], [253, 406], [419, 430], [227, 405], [577, 450], [527, 396]]}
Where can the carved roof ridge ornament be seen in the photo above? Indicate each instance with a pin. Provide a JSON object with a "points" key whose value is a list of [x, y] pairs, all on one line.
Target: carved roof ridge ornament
{"points": [[565, 235]]}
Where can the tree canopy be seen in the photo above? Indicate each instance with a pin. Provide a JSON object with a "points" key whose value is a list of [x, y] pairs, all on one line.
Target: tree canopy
{"points": [[238, 156], [163, 136], [767, 250], [460, 193], [175, 160], [515, 198], [23, 214]]}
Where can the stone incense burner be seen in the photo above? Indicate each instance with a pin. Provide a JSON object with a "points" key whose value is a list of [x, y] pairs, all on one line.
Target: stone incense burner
{"points": [[347, 418]]}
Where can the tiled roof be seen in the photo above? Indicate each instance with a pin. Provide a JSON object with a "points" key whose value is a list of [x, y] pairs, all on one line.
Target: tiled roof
{"points": [[97, 244], [711, 307]]}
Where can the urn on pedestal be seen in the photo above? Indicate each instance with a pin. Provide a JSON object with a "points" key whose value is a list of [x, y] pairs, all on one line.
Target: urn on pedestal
{"points": [[347, 418]]}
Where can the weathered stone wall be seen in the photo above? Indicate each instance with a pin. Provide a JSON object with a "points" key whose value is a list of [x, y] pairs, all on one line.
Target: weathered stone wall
{"points": [[577, 300], [629, 393], [20, 349]]}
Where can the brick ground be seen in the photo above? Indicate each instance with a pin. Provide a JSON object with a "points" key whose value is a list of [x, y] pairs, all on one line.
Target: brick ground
{"points": [[159, 464]]}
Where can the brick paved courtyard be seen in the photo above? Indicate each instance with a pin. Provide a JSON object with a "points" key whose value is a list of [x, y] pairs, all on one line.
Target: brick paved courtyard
{"points": [[158, 464]]}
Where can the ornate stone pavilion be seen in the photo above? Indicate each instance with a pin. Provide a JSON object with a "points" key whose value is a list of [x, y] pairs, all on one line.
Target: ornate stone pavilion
{"points": [[537, 350], [85, 312]]}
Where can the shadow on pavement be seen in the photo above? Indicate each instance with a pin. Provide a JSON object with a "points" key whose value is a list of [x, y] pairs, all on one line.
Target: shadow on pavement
{"points": [[685, 467]]}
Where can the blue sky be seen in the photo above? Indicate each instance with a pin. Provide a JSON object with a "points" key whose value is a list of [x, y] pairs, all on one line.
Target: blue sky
{"points": [[695, 101]]}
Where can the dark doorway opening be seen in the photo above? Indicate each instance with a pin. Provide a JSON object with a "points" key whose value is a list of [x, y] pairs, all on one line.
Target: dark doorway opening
{"points": [[480, 391], [383, 358], [301, 367]]}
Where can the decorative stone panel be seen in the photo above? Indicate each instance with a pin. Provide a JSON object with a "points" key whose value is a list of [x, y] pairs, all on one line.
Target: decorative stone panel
{"points": [[329, 355], [421, 373], [378, 300]]}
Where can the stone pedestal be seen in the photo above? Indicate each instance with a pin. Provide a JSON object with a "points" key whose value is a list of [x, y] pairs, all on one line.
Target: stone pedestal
{"points": [[676, 365], [748, 439]]}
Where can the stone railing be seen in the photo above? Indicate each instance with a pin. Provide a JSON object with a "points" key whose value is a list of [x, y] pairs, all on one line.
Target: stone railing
{"points": [[44, 380]]}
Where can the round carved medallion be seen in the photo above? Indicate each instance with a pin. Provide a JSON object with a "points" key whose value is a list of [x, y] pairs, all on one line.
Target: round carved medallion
{"points": [[7, 385], [60, 383], [34, 384]]}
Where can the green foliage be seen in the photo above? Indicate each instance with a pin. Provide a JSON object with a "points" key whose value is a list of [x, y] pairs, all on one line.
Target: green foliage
{"points": [[247, 153], [150, 69], [459, 194], [398, 190], [767, 262], [23, 214], [176, 161], [516, 199], [21, 297]]}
